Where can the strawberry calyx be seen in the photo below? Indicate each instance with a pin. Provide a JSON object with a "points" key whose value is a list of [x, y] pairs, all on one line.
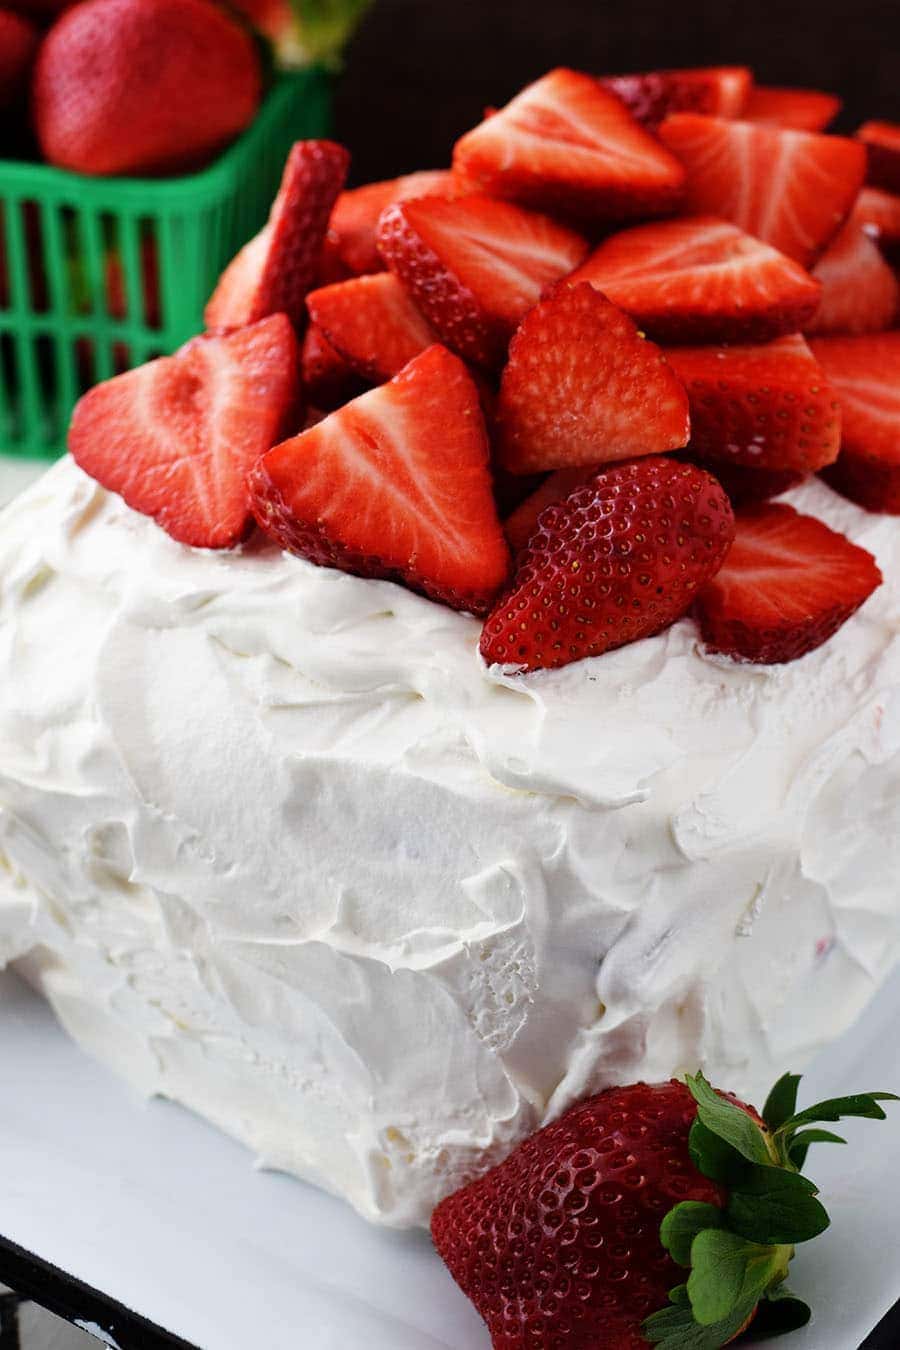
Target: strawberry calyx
{"points": [[738, 1254]]}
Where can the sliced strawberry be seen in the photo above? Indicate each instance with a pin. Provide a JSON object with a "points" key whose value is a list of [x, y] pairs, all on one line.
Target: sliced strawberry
{"points": [[788, 584], [176, 437], [327, 379], [700, 279], [792, 109], [745, 486], [865, 373], [619, 559], [768, 406], [272, 274], [720, 91], [522, 523], [583, 387], [476, 266], [354, 220], [372, 323], [396, 485], [860, 293], [793, 189], [567, 144], [879, 214], [882, 142]]}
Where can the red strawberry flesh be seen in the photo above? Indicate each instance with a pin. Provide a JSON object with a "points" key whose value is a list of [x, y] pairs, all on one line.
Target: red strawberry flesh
{"points": [[792, 189], [767, 406], [583, 387], [701, 279], [176, 437], [372, 322], [793, 109], [273, 273], [354, 220], [475, 266], [860, 293], [721, 91], [788, 584], [621, 558], [865, 374], [394, 485], [568, 145], [882, 142]]}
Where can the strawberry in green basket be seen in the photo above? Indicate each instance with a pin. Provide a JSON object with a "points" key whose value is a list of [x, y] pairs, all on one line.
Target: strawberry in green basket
{"points": [[657, 1214], [143, 86]]}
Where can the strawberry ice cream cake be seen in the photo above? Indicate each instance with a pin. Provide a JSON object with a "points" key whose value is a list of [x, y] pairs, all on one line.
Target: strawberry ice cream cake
{"points": [[418, 719]]}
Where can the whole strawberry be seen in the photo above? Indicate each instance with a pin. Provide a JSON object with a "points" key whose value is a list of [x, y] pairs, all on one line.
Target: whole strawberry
{"points": [[653, 1214], [621, 558], [143, 86]]}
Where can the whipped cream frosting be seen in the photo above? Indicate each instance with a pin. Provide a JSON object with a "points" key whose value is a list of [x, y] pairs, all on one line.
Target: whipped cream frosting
{"points": [[276, 844]]}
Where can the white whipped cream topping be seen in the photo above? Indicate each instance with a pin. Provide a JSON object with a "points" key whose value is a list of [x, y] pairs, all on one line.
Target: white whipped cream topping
{"points": [[276, 844]]}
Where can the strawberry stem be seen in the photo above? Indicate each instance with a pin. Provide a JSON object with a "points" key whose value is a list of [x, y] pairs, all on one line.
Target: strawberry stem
{"points": [[739, 1255]]}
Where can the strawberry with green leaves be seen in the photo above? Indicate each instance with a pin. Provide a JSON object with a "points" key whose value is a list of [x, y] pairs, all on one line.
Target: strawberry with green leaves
{"points": [[656, 1214]]}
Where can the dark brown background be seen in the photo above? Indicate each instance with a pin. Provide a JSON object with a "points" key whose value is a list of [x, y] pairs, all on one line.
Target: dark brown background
{"points": [[421, 71]]}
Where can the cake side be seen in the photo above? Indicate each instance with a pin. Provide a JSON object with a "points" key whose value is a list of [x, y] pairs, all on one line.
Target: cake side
{"points": [[647, 862]]}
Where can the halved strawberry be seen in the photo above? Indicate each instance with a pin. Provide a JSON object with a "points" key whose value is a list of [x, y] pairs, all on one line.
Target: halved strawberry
{"points": [[860, 293], [395, 485], [176, 437], [788, 584], [793, 189], [879, 214], [475, 266], [583, 387], [700, 279], [567, 144], [793, 109], [619, 559], [354, 220], [327, 378], [768, 406], [882, 142], [744, 485], [720, 91], [274, 271], [865, 373], [372, 322]]}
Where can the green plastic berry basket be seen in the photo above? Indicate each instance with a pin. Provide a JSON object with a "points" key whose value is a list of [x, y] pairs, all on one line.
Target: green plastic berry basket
{"points": [[100, 274]]}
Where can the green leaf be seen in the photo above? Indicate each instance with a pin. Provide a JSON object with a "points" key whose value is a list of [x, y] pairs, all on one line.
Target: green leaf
{"points": [[728, 1272], [779, 1312], [675, 1328], [729, 1122], [775, 1206], [713, 1157], [781, 1102], [862, 1104], [800, 1144], [682, 1224]]}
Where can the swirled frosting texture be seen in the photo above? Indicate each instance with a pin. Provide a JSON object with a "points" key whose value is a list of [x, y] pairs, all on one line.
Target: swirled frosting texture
{"points": [[276, 844]]}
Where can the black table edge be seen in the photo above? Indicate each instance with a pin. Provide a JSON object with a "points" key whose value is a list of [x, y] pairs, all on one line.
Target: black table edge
{"points": [[76, 1302]]}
